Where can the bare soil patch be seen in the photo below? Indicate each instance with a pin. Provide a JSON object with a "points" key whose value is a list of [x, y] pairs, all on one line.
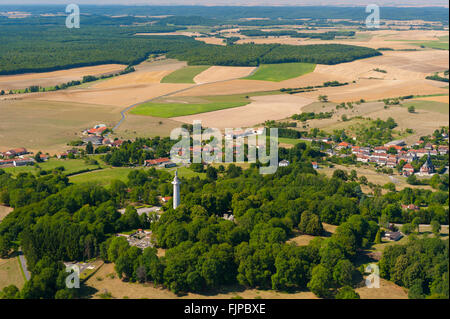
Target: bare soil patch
{"points": [[387, 290], [4, 211]]}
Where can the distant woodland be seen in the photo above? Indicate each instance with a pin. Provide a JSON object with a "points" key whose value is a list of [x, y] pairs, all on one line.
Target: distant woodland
{"points": [[41, 48]]}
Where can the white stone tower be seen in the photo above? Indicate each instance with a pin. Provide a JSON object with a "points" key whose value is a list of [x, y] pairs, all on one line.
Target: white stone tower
{"points": [[176, 190]]}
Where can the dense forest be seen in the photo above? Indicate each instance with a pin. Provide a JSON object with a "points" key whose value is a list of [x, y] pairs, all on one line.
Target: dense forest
{"points": [[229, 14], [55, 221], [100, 44]]}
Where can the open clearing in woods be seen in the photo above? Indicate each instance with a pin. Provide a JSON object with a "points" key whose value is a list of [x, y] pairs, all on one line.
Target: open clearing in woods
{"points": [[4, 211], [106, 280], [11, 273]]}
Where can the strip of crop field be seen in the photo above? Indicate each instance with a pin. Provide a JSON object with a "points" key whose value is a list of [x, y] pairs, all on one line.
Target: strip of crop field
{"points": [[184, 75], [281, 72]]}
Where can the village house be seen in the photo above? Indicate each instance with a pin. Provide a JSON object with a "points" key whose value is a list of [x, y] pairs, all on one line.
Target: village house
{"points": [[315, 165], [157, 162], [410, 207], [342, 146], [14, 152], [96, 130], [443, 150], [408, 170]]}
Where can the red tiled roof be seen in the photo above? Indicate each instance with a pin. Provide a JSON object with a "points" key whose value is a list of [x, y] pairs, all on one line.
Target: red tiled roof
{"points": [[158, 161]]}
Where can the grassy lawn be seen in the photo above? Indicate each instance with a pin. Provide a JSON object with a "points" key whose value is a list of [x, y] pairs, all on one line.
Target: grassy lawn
{"points": [[442, 44], [207, 104], [71, 166], [281, 72], [429, 106], [10, 273], [291, 141], [184, 75], [187, 173], [104, 177]]}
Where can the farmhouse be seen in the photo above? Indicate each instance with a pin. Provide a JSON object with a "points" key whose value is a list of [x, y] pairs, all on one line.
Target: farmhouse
{"points": [[23, 162], [95, 140], [14, 152], [393, 236]]}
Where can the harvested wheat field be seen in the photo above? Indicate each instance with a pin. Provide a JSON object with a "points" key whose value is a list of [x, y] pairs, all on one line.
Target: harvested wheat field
{"points": [[441, 99], [146, 73], [101, 282], [223, 73], [249, 86], [117, 96], [145, 126], [211, 40], [46, 79], [49, 125], [375, 89], [261, 109], [426, 61]]}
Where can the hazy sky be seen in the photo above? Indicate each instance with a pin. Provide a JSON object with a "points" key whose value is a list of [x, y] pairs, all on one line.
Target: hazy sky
{"points": [[236, 2]]}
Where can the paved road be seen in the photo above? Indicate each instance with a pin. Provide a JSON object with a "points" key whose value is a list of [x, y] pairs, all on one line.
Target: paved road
{"points": [[23, 263]]}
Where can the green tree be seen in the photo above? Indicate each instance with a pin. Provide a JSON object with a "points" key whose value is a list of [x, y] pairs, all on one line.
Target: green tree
{"points": [[435, 227], [416, 224], [378, 237], [347, 292], [343, 273], [5, 247], [89, 148], [321, 281], [411, 109], [10, 292]]}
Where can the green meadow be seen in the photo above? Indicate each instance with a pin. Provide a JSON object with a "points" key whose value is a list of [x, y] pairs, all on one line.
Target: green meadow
{"points": [[184, 75], [281, 72], [429, 106], [71, 166], [204, 104]]}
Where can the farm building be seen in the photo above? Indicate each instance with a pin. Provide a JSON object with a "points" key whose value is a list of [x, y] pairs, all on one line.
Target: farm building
{"points": [[393, 236]]}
